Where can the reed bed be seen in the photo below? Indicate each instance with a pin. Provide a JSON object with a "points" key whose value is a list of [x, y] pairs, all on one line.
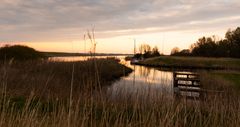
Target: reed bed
{"points": [[49, 103]]}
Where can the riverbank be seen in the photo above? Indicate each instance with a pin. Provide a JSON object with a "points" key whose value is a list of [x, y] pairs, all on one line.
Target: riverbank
{"points": [[226, 70], [52, 79], [174, 62], [66, 54]]}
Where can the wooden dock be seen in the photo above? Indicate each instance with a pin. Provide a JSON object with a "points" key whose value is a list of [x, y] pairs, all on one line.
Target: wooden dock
{"points": [[187, 84]]}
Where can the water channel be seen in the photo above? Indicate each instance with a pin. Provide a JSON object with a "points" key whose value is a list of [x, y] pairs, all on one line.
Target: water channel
{"points": [[142, 81]]}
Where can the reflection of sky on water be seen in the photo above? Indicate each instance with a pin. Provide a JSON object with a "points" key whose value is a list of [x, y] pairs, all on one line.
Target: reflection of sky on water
{"points": [[143, 81], [68, 59], [80, 58]]}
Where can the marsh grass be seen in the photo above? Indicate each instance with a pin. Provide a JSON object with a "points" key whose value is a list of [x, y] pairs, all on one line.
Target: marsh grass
{"points": [[52, 79], [201, 62], [37, 95]]}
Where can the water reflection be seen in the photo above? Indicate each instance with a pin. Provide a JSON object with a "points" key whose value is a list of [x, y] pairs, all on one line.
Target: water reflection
{"points": [[81, 58], [143, 82]]}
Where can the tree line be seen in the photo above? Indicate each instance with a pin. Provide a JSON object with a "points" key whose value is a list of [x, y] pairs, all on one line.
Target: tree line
{"points": [[212, 47], [19, 53], [145, 51]]}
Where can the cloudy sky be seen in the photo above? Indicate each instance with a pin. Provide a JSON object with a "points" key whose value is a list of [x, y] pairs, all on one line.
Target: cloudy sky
{"points": [[59, 25]]}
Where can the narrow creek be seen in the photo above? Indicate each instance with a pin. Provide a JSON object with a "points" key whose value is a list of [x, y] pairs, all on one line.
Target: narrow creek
{"points": [[143, 81]]}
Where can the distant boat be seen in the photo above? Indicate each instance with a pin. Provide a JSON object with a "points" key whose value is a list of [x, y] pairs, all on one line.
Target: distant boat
{"points": [[134, 61]]}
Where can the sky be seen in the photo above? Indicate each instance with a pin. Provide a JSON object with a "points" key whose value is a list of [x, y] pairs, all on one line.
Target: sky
{"points": [[60, 25]]}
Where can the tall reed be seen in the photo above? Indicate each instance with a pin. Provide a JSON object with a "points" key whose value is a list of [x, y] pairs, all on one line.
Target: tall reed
{"points": [[22, 105]]}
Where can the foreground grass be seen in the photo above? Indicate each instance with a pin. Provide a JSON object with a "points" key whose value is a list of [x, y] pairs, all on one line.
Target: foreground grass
{"points": [[91, 106], [98, 110], [192, 62]]}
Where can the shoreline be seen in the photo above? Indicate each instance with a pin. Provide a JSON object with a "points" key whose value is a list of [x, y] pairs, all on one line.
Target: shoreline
{"points": [[182, 67], [196, 63]]}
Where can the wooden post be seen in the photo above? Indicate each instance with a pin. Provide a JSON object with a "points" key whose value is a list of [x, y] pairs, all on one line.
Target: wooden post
{"points": [[175, 81]]}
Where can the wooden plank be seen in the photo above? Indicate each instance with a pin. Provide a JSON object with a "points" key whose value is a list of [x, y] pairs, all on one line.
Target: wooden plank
{"points": [[189, 85], [193, 75], [188, 79], [190, 90], [182, 73]]}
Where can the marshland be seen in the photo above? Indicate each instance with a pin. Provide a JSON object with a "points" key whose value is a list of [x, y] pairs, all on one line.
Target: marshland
{"points": [[111, 92], [119, 63]]}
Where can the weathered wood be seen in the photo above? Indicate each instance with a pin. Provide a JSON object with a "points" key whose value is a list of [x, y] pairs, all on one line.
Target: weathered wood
{"points": [[187, 85], [187, 82], [183, 73], [190, 90], [188, 79]]}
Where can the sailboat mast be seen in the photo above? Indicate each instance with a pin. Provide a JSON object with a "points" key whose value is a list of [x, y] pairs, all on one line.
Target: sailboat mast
{"points": [[134, 46]]}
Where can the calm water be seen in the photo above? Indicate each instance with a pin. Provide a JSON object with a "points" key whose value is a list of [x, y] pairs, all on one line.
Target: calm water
{"points": [[142, 81], [81, 58]]}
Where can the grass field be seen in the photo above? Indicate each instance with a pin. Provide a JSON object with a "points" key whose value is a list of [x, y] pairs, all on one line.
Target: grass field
{"points": [[195, 62], [233, 77]]}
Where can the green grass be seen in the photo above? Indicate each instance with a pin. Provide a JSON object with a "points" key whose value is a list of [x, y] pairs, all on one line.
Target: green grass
{"points": [[228, 63], [233, 77]]}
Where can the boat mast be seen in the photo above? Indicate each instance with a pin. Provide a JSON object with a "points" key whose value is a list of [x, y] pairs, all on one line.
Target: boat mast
{"points": [[134, 46]]}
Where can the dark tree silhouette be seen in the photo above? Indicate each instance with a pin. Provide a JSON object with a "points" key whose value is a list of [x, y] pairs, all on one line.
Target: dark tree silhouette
{"points": [[146, 52], [211, 47], [155, 51], [233, 38], [19, 52], [144, 48], [175, 50], [204, 47]]}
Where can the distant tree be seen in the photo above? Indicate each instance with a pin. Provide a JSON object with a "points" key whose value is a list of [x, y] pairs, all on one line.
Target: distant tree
{"points": [[175, 50], [19, 52], [214, 47], [184, 52], [223, 48], [146, 51], [147, 54], [144, 48], [233, 37], [204, 47], [155, 51], [138, 56]]}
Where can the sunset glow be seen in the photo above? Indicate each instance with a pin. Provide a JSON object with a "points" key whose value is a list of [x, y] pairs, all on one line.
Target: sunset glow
{"points": [[59, 26]]}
